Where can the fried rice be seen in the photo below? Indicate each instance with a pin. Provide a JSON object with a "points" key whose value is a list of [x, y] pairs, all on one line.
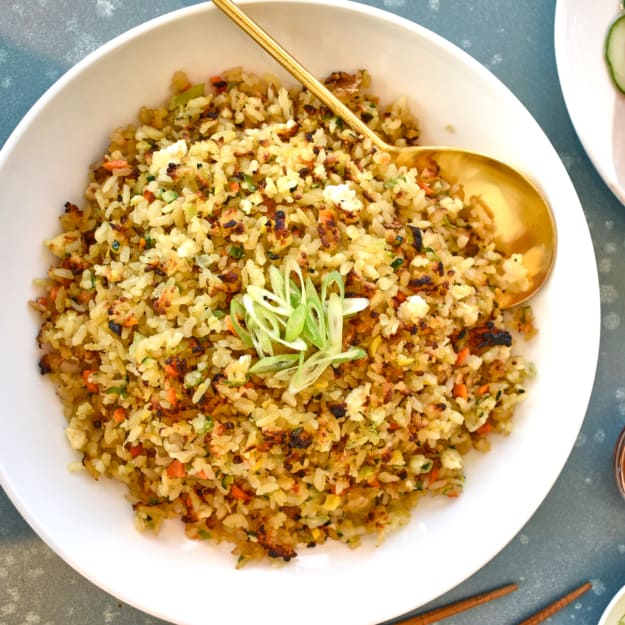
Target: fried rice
{"points": [[189, 207]]}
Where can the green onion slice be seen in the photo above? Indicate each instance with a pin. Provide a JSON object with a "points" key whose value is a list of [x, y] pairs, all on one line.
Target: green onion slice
{"points": [[335, 322], [309, 371], [237, 311], [296, 322], [272, 364]]}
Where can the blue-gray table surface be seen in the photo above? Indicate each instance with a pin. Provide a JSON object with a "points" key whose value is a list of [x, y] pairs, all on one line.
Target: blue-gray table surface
{"points": [[578, 533]]}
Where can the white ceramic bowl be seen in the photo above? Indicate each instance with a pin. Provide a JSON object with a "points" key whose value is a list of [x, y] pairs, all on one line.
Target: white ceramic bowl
{"points": [[614, 614], [89, 524]]}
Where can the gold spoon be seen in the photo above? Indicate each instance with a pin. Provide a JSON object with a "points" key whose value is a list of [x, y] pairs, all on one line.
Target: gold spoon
{"points": [[522, 217]]}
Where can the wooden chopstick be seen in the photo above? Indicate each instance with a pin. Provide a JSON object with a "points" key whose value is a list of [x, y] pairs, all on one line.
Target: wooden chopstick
{"points": [[426, 618], [557, 605], [459, 606]]}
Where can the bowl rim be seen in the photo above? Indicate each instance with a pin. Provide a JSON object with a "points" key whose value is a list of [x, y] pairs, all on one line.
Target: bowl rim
{"points": [[614, 602]]}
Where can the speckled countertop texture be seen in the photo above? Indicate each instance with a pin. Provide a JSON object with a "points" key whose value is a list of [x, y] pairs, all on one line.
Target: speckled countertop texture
{"points": [[578, 533]]}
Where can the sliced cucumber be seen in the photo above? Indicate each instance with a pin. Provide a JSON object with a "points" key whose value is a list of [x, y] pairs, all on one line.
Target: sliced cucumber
{"points": [[615, 52]]}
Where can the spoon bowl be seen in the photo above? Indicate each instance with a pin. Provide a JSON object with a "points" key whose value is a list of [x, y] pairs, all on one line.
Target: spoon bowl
{"points": [[524, 226]]}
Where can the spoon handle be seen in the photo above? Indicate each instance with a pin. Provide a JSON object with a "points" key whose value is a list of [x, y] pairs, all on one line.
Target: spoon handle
{"points": [[291, 65]]}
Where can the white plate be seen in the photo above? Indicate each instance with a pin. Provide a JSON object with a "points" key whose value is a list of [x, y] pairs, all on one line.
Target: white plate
{"points": [[596, 108], [90, 525]]}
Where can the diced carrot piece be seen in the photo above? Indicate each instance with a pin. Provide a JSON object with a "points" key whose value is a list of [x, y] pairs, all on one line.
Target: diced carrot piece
{"points": [[485, 429], [201, 474], [234, 186], [119, 414], [116, 164], [461, 390], [482, 390], [239, 493], [176, 469], [171, 396], [326, 215], [130, 321], [171, 371], [92, 387], [463, 354], [230, 325], [426, 187], [136, 450]]}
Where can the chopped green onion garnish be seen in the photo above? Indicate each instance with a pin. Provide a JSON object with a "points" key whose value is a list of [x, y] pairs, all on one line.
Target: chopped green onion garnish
{"points": [[294, 316], [274, 363], [296, 322]]}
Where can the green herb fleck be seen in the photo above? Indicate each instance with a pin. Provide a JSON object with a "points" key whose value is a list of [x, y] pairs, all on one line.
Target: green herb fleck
{"points": [[398, 262], [117, 390], [149, 241], [249, 183], [430, 253], [180, 99], [169, 196], [236, 251], [391, 182]]}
